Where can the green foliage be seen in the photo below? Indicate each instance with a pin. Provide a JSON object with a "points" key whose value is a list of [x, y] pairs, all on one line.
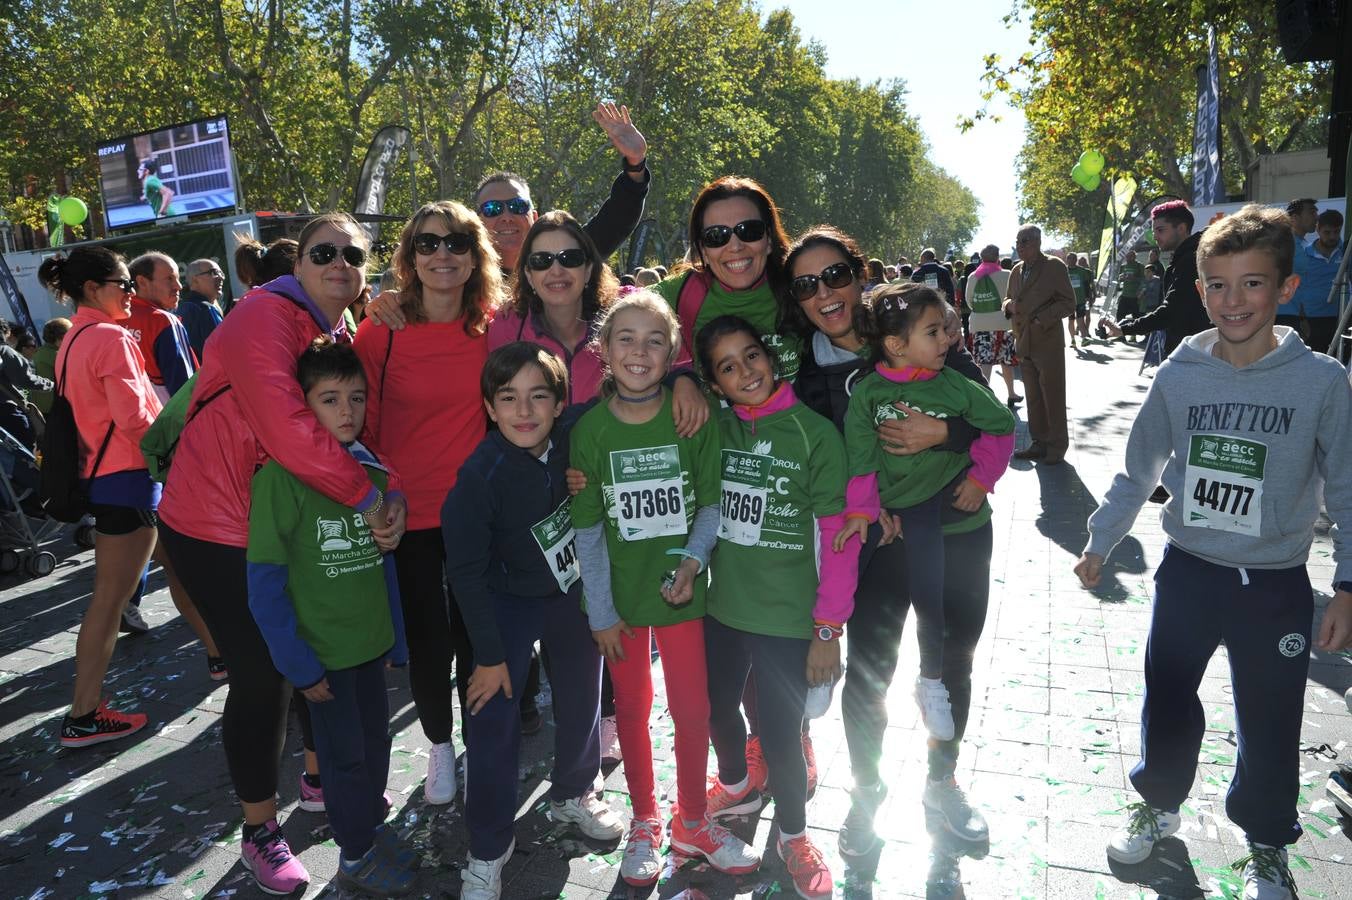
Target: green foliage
{"points": [[1120, 79], [716, 87]]}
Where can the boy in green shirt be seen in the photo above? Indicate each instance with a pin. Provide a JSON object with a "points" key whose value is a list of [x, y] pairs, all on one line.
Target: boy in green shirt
{"points": [[328, 608]]}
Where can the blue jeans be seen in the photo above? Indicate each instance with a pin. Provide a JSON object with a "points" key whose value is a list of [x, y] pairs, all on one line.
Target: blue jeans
{"points": [[352, 738]]}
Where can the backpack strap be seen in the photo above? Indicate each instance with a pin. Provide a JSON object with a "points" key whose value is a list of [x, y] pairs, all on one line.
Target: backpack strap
{"points": [[688, 303], [60, 389]]}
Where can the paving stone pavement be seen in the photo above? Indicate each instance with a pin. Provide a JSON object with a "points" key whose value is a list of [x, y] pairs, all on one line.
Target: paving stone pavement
{"points": [[1053, 735]]}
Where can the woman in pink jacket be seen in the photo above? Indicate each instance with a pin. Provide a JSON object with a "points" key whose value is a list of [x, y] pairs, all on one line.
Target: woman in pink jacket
{"points": [[561, 284], [101, 373], [247, 408]]}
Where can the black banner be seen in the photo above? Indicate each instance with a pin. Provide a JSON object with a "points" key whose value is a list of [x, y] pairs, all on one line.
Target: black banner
{"points": [[377, 171], [18, 306]]}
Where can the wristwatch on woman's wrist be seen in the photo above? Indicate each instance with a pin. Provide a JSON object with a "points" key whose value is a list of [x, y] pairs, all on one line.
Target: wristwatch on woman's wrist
{"points": [[825, 631]]}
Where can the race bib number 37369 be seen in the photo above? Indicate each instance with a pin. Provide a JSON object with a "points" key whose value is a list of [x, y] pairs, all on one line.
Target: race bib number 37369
{"points": [[744, 497], [1223, 484], [649, 492]]}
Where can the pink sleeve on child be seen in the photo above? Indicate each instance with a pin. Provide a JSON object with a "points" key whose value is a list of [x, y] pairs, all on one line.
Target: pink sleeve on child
{"points": [[861, 496], [990, 459], [837, 573]]}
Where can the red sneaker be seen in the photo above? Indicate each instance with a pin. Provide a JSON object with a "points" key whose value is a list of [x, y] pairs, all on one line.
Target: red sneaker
{"points": [[723, 803], [723, 850], [757, 772], [104, 725], [807, 868], [810, 758]]}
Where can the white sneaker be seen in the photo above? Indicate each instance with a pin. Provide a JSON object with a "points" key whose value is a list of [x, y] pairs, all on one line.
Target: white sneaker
{"points": [[818, 700], [935, 710], [1348, 698], [482, 880], [610, 740], [948, 800], [1266, 874], [642, 863], [132, 621], [593, 817], [1146, 826], [439, 788]]}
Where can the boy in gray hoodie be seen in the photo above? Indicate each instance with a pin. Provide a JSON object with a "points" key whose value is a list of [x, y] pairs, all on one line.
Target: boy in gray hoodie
{"points": [[1243, 425]]}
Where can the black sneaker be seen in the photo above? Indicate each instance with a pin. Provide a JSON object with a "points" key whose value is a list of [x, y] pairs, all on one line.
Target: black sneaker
{"points": [[531, 720], [102, 725], [216, 668]]}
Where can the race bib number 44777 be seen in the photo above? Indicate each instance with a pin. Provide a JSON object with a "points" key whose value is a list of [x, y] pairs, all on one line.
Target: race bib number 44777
{"points": [[1223, 484], [649, 492]]}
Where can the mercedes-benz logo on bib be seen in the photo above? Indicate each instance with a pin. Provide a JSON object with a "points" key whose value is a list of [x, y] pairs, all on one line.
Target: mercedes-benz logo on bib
{"points": [[1292, 644]]}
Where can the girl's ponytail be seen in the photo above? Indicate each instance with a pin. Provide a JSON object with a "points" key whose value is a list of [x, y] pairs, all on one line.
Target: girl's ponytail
{"points": [[866, 328]]}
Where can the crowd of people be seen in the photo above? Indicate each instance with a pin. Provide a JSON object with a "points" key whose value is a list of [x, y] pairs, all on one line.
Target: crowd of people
{"points": [[736, 463]]}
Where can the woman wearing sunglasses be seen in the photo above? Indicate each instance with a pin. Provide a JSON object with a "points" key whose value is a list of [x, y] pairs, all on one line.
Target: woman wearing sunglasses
{"points": [[424, 410], [100, 373], [736, 267], [561, 284], [826, 272], [249, 407]]}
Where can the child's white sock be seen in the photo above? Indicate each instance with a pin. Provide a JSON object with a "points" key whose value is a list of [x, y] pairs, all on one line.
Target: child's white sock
{"points": [[736, 788]]}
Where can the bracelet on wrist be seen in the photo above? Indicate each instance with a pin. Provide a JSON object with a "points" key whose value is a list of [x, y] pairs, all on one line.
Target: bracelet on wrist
{"points": [[376, 507], [681, 551]]}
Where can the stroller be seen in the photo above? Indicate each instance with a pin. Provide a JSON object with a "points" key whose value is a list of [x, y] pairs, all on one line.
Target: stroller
{"points": [[24, 527]]}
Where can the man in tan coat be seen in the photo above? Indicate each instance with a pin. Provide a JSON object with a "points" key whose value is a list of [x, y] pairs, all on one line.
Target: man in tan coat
{"points": [[1039, 297]]}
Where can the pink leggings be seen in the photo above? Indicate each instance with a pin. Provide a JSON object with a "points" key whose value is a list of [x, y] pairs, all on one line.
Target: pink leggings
{"points": [[681, 648]]}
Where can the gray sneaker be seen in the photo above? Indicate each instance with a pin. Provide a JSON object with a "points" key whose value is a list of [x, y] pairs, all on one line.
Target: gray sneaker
{"points": [[857, 837], [1266, 874], [948, 800], [1146, 826]]}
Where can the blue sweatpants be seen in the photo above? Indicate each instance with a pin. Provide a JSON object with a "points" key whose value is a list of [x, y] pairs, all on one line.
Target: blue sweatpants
{"points": [[352, 738], [492, 775], [1263, 616]]}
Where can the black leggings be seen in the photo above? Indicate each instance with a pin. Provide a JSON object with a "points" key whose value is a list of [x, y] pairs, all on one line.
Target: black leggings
{"points": [[253, 727], [874, 636], [781, 672], [435, 630]]}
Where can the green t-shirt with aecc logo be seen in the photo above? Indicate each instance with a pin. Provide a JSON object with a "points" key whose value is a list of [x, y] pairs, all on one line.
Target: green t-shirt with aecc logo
{"points": [[758, 306], [644, 483], [779, 475], [907, 480], [335, 576], [1080, 279]]}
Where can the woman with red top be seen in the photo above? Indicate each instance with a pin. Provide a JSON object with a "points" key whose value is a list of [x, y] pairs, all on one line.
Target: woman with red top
{"points": [[247, 408], [424, 410], [100, 372]]}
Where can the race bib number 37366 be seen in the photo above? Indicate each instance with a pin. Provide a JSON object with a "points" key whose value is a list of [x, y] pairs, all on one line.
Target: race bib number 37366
{"points": [[649, 492], [1223, 484]]}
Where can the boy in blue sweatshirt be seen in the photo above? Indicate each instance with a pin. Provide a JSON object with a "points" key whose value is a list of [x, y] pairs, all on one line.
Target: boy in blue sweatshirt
{"points": [[328, 607], [1247, 427], [511, 558]]}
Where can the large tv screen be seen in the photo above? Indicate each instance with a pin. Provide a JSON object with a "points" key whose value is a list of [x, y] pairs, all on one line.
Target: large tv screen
{"points": [[175, 172]]}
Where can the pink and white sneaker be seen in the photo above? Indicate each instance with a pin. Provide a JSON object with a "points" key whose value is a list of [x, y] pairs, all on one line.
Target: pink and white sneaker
{"points": [[311, 798], [268, 857]]}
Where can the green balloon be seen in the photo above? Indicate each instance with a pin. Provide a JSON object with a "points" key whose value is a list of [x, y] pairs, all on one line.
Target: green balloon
{"points": [[73, 210], [1091, 182], [1078, 174], [1092, 162]]}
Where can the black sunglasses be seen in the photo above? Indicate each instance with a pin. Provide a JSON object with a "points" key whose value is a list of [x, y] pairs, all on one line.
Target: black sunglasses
{"points": [[571, 258], [125, 283], [747, 232], [517, 206], [323, 254], [804, 287], [426, 243]]}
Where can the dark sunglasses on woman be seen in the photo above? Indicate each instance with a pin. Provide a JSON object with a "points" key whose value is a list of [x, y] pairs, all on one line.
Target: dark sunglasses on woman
{"points": [[426, 243], [804, 287], [124, 283], [325, 253], [517, 206], [572, 258], [747, 232]]}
